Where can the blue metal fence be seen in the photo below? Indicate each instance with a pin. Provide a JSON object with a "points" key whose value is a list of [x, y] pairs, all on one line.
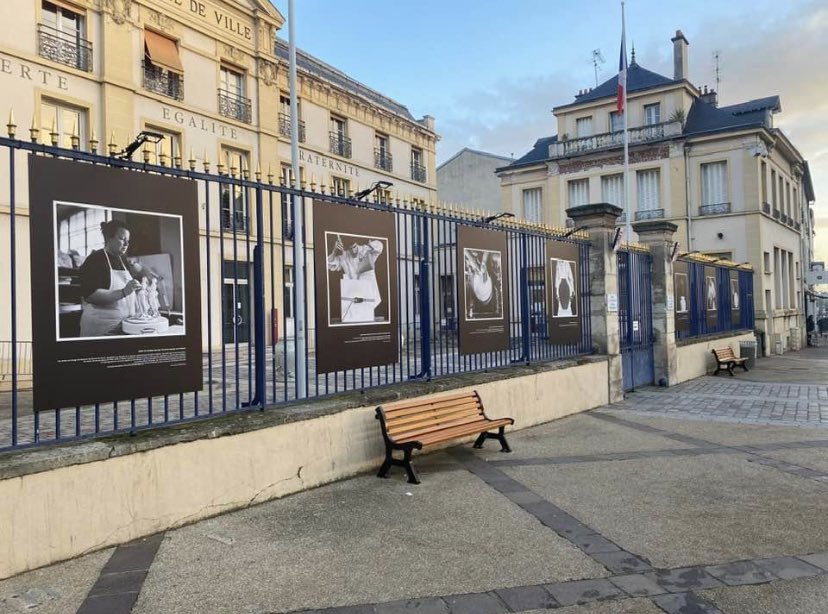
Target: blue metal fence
{"points": [[700, 318], [249, 357], [635, 317]]}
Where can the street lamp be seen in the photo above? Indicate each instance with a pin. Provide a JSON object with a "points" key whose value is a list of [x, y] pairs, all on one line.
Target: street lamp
{"points": [[378, 185], [497, 216], [145, 136]]}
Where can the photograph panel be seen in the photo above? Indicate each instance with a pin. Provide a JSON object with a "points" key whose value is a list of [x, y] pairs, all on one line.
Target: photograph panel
{"points": [[564, 276], [483, 284]]}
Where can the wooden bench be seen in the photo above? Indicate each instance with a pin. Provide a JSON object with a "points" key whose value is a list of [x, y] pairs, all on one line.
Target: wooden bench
{"points": [[726, 359], [410, 425]]}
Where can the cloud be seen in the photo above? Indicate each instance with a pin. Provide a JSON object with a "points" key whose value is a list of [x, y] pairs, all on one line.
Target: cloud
{"points": [[775, 54]]}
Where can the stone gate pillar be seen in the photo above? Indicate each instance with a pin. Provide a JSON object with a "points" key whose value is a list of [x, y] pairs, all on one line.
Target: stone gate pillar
{"points": [[598, 221], [658, 236]]}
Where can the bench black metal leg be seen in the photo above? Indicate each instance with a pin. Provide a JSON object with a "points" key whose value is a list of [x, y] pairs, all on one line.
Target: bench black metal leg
{"points": [[718, 368], [500, 436], [412, 477], [405, 463], [730, 366], [386, 465], [744, 366]]}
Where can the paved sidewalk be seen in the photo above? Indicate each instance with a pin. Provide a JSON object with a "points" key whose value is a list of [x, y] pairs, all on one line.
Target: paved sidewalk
{"points": [[706, 497]]}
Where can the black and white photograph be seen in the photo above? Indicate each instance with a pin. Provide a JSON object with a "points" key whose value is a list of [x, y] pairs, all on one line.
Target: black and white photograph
{"points": [[682, 293], [118, 273], [358, 285], [710, 293], [483, 277], [563, 279], [112, 316]]}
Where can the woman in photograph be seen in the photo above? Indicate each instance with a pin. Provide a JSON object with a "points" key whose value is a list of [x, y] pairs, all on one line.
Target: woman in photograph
{"points": [[359, 292], [108, 283]]}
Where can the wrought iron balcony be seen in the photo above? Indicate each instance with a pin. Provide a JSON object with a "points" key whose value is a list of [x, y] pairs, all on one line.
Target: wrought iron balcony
{"points": [[64, 47], [340, 144], [650, 214], [776, 214], [164, 82], [766, 208], [383, 159], [418, 172], [612, 140], [231, 105], [798, 226], [284, 127], [716, 209]]}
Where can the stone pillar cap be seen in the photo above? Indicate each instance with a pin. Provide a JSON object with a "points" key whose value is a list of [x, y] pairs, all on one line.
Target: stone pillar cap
{"points": [[594, 209], [650, 226]]}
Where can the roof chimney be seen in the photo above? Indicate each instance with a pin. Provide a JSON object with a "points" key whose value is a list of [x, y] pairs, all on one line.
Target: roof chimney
{"points": [[680, 46], [709, 96]]}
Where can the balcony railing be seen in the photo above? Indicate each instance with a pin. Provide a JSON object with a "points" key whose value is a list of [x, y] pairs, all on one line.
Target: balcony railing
{"points": [[611, 140], [163, 82], [383, 160], [418, 172], [234, 106], [340, 144], [284, 127], [776, 214], [716, 209], [766, 208], [64, 47], [649, 214]]}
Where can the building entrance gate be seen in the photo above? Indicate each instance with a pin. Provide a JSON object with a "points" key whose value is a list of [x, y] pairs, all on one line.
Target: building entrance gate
{"points": [[635, 318]]}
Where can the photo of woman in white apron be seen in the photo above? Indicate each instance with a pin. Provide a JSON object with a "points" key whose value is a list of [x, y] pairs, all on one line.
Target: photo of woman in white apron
{"points": [[107, 285]]}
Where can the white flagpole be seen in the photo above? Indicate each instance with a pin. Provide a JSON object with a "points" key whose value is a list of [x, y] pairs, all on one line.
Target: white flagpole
{"points": [[300, 345], [627, 212]]}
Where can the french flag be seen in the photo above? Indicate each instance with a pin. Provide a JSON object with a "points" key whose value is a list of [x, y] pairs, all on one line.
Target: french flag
{"points": [[622, 72]]}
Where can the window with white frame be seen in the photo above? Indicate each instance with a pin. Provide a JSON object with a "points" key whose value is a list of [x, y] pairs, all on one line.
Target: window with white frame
{"points": [[233, 197], [232, 101], [62, 35], [583, 126], [652, 114], [649, 189], [532, 211], [64, 121], [616, 121], [340, 186], [578, 192], [288, 286], [165, 151], [612, 189], [714, 183]]}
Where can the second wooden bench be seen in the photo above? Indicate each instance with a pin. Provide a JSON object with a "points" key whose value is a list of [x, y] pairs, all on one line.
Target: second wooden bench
{"points": [[409, 425], [726, 360]]}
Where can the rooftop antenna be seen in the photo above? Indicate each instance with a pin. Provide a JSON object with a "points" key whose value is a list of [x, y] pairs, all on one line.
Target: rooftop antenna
{"points": [[596, 58], [717, 58]]}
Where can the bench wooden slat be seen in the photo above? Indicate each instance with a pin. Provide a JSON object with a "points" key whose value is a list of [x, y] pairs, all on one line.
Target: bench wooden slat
{"points": [[412, 424], [414, 434], [460, 431], [406, 411], [392, 407], [432, 414]]}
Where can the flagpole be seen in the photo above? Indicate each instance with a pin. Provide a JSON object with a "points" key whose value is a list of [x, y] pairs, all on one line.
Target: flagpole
{"points": [[300, 344], [627, 212]]}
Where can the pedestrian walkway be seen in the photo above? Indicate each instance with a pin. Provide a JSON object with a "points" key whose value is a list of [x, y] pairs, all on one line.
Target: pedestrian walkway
{"points": [[630, 508]]}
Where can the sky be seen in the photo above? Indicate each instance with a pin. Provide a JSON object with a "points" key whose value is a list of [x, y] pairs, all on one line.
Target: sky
{"points": [[491, 72]]}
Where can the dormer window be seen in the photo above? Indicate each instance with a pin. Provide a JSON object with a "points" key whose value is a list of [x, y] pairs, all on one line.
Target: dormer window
{"points": [[652, 114], [583, 126]]}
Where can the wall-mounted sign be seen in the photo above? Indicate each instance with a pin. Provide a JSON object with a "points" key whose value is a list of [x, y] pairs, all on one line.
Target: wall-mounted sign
{"points": [[670, 303], [681, 291], [35, 74], [735, 299], [355, 268], [115, 284], [563, 283], [711, 296], [484, 296], [327, 163], [201, 123], [612, 303], [215, 17]]}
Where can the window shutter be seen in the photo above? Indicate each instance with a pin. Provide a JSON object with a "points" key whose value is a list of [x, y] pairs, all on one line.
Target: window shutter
{"points": [[648, 190], [578, 192], [532, 205], [714, 183], [612, 190]]}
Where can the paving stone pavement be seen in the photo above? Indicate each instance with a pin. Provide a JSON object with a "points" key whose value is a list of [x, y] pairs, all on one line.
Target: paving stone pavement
{"points": [[693, 499]]}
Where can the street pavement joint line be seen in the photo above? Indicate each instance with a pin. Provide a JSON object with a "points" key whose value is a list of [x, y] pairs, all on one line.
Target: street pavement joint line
{"points": [[673, 589], [752, 452], [121, 579], [584, 537]]}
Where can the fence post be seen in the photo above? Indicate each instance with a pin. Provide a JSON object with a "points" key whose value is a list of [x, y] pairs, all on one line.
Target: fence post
{"points": [[658, 236], [599, 222]]}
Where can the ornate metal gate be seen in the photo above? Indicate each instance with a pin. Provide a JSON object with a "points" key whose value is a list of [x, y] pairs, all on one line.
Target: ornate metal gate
{"points": [[635, 317]]}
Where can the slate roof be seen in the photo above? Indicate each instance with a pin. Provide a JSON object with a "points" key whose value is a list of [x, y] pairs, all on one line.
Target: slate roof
{"points": [[637, 79], [313, 66], [705, 117], [538, 153]]}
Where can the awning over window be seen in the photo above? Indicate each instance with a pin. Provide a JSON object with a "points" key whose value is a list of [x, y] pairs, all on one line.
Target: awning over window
{"points": [[162, 52], [69, 6]]}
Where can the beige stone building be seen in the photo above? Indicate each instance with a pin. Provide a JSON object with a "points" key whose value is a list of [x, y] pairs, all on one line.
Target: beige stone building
{"points": [[733, 183], [211, 76]]}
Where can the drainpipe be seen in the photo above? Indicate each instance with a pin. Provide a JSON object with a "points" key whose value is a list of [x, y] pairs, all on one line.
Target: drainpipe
{"points": [[687, 198]]}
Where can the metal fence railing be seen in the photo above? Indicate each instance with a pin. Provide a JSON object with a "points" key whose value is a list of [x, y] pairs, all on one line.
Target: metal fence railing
{"points": [[248, 306], [719, 298]]}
